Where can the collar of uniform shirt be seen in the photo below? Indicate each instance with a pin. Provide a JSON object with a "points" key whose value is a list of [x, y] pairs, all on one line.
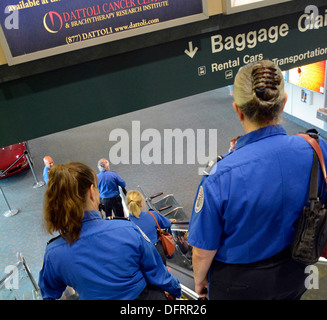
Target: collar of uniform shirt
{"points": [[91, 215], [260, 134]]}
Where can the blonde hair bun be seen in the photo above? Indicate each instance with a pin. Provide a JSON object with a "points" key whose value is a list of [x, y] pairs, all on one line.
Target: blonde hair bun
{"points": [[134, 202], [259, 91]]}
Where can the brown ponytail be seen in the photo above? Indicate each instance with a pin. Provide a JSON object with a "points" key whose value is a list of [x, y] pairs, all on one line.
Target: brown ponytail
{"points": [[65, 199]]}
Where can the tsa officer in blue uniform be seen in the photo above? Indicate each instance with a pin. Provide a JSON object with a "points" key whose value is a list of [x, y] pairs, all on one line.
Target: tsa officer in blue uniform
{"points": [[135, 203], [248, 201], [108, 184], [48, 164], [101, 259]]}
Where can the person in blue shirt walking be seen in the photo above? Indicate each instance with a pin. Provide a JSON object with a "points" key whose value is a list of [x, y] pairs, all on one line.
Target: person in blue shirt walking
{"points": [[100, 259], [247, 203], [135, 203], [48, 164], [108, 184]]}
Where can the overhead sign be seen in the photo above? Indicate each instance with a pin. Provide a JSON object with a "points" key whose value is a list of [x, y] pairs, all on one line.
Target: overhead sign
{"points": [[33, 29], [54, 101], [290, 41]]}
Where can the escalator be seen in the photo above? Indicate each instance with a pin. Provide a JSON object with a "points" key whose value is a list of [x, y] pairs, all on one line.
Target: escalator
{"points": [[180, 264]]}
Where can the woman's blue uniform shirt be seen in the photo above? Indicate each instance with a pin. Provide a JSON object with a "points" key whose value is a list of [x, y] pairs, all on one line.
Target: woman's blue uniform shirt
{"points": [[149, 226], [246, 207], [111, 260]]}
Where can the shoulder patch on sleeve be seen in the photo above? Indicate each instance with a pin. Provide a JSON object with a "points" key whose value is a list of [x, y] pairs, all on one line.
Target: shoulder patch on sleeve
{"points": [[199, 200]]}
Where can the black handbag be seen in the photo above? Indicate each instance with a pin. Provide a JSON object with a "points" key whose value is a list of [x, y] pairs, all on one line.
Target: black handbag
{"points": [[310, 233]]}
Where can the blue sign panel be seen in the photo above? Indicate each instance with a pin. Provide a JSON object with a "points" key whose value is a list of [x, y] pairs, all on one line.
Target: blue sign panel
{"points": [[31, 29]]}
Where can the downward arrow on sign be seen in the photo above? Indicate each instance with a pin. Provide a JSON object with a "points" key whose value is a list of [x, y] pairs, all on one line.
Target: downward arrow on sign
{"points": [[191, 52]]}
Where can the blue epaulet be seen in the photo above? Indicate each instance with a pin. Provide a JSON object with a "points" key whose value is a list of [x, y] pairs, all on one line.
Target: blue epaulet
{"points": [[53, 239], [210, 165], [118, 218]]}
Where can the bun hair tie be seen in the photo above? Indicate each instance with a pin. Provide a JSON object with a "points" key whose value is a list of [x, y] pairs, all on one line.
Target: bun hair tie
{"points": [[265, 78]]}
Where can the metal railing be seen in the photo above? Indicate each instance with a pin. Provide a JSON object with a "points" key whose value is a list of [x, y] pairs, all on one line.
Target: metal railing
{"points": [[11, 212], [19, 283]]}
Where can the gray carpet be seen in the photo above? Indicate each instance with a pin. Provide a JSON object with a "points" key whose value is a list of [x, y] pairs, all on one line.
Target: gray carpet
{"points": [[210, 110]]}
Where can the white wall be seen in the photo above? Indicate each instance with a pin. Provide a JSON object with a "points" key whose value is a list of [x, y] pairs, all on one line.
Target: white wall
{"points": [[304, 111]]}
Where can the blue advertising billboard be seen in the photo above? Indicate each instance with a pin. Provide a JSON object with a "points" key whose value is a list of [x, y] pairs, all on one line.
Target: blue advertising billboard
{"points": [[32, 29]]}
